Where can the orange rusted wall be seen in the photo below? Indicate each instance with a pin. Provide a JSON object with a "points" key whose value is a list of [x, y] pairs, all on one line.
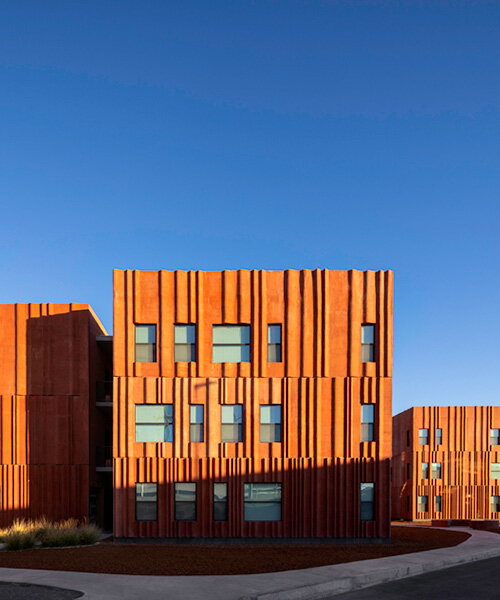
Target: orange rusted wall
{"points": [[47, 383], [465, 455], [320, 384]]}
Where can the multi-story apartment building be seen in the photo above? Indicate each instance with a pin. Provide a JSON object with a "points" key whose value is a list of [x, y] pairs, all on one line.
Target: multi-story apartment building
{"points": [[252, 404], [446, 463], [51, 431]]}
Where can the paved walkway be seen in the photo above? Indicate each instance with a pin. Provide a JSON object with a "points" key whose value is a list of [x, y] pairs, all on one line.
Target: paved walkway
{"points": [[318, 582]]}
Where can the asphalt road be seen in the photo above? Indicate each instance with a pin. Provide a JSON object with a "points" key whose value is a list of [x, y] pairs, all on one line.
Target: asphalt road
{"points": [[474, 581], [24, 591]]}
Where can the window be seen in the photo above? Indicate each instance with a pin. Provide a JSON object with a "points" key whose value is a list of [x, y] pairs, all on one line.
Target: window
{"points": [[146, 497], [436, 470], [439, 437], [145, 343], [422, 504], [408, 437], [262, 501], [494, 437], [231, 423], [495, 503], [230, 343], [495, 470], [367, 507], [185, 502], [184, 343], [367, 420], [407, 470], [196, 423], [437, 504], [274, 343], [154, 423], [270, 423], [425, 470], [220, 502], [423, 437], [367, 343]]}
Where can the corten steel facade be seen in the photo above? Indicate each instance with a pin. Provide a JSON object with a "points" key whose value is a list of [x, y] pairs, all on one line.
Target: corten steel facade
{"points": [[320, 384], [445, 460], [49, 425]]}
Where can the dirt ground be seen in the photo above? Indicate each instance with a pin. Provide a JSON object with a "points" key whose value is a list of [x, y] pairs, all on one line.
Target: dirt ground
{"points": [[150, 559]]}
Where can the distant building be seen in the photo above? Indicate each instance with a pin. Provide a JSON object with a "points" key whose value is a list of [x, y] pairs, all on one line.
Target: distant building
{"points": [[52, 434], [446, 463], [252, 404]]}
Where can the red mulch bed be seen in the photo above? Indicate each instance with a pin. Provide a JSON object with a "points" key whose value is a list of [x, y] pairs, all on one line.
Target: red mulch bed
{"points": [[151, 559]]}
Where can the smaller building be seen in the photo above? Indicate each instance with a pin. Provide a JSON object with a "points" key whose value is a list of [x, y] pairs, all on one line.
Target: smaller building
{"points": [[446, 463]]}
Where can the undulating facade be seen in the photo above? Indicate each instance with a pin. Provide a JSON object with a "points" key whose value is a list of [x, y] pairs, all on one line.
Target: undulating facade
{"points": [[446, 463], [252, 404], [51, 364]]}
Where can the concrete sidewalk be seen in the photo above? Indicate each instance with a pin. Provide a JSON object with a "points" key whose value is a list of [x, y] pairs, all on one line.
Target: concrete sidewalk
{"points": [[315, 583]]}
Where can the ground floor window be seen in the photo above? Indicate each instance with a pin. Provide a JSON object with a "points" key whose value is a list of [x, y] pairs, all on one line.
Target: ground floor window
{"points": [[367, 506], [262, 501], [220, 502], [495, 504], [422, 504], [185, 502], [437, 504], [146, 501]]}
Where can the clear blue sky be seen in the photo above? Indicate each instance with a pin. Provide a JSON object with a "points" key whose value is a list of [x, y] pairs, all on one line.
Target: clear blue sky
{"points": [[212, 135]]}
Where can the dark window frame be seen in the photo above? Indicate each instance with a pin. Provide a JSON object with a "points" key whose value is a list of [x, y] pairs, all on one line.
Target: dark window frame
{"points": [[137, 483], [366, 431], [153, 344], [249, 345], [166, 423], [280, 440], [233, 423], [197, 424], [420, 436], [368, 348], [176, 518], [274, 345], [245, 502], [220, 502], [192, 345], [364, 503]]}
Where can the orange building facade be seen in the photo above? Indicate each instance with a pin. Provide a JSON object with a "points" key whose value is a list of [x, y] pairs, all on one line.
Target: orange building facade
{"points": [[446, 463], [251, 404], [50, 426]]}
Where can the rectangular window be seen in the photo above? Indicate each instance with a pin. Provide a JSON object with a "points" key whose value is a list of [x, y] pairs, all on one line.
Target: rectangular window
{"points": [[437, 504], [367, 507], [231, 423], [196, 423], [220, 502], [230, 343], [145, 343], [408, 503], [494, 437], [146, 501], [495, 504], [367, 422], [436, 470], [407, 470], [185, 502], [495, 470], [425, 470], [408, 437], [439, 437], [184, 343], [422, 504], [154, 423], [270, 423], [262, 501], [423, 437], [274, 343], [367, 343]]}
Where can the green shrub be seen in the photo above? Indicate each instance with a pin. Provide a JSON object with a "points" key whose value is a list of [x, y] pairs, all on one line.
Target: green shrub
{"points": [[58, 536], [89, 534], [19, 540]]}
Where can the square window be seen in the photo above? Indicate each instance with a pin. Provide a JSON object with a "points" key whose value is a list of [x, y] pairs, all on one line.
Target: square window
{"points": [[262, 501], [154, 423], [230, 343]]}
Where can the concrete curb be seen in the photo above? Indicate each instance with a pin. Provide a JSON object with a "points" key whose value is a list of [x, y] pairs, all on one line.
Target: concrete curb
{"points": [[342, 585]]}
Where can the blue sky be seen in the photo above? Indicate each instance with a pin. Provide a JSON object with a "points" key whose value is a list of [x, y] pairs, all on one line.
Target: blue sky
{"points": [[211, 135]]}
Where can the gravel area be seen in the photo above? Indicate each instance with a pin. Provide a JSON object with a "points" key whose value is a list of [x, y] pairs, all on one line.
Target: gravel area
{"points": [[147, 559], [26, 591]]}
